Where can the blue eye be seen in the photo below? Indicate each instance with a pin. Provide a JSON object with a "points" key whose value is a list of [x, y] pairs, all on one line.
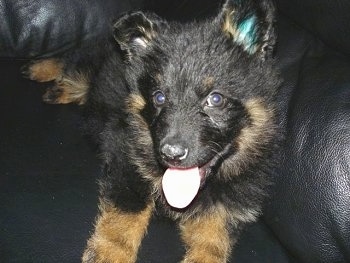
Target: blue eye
{"points": [[215, 100], [158, 98]]}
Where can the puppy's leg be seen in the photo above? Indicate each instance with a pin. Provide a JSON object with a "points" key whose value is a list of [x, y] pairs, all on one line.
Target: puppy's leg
{"points": [[117, 236], [207, 238], [68, 89], [69, 86], [44, 70]]}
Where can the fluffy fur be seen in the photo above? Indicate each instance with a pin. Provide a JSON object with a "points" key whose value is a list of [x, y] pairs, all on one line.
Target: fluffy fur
{"points": [[206, 87]]}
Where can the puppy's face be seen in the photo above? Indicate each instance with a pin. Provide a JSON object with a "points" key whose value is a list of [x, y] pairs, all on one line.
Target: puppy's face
{"points": [[203, 94], [194, 108]]}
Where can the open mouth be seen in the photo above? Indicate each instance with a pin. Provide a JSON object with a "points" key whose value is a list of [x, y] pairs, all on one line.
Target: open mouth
{"points": [[181, 185]]}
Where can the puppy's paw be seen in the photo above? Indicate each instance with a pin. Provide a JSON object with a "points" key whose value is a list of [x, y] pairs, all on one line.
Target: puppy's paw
{"points": [[107, 252], [44, 70], [89, 256], [55, 95]]}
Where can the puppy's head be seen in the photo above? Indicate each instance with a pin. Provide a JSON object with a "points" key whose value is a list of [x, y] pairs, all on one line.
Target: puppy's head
{"points": [[202, 95]]}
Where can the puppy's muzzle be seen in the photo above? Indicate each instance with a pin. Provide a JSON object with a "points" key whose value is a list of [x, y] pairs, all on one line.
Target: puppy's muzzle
{"points": [[173, 153]]}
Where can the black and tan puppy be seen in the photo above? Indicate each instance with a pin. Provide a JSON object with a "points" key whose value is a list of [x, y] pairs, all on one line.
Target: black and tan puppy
{"points": [[185, 117]]}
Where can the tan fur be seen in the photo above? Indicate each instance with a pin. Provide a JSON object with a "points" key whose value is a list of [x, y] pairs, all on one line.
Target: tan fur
{"points": [[117, 236], [45, 70], [135, 104], [227, 26], [69, 89], [208, 83], [207, 238], [149, 34], [252, 139], [158, 77]]}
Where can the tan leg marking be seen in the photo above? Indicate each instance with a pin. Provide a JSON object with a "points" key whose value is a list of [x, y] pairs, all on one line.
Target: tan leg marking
{"points": [[45, 70], [207, 238], [117, 236], [253, 139], [69, 89]]}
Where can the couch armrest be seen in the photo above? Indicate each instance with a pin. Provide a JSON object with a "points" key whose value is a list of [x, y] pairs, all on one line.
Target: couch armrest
{"points": [[45, 27]]}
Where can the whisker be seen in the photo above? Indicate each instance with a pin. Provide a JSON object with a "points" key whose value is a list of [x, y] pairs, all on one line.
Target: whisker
{"points": [[215, 150], [216, 145]]}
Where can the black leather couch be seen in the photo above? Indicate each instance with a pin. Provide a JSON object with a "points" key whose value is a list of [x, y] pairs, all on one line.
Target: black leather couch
{"points": [[48, 171]]}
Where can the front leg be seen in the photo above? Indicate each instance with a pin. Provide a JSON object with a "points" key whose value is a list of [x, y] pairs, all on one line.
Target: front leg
{"points": [[117, 235], [207, 238]]}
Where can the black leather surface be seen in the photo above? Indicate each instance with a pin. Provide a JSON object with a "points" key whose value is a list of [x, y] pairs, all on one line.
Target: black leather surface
{"points": [[326, 19], [46, 27], [48, 173], [310, 210], [47, 176], [42, 27]]}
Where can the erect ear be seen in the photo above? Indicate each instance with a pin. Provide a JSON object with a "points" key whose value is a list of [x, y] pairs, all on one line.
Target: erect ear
{"points": [[250, 24], [135, 31]]}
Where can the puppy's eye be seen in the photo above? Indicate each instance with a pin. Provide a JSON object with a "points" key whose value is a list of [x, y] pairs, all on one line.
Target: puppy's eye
{"points": [[158, 98], [215, 100]]}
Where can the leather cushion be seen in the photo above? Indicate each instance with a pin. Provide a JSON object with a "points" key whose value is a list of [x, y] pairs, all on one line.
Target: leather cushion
{"points": [[326, 19], [309, 210], [45, 27]]}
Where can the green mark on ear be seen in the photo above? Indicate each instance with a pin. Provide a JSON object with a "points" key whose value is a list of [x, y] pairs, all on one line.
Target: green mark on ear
{"points": [[247, 33]]}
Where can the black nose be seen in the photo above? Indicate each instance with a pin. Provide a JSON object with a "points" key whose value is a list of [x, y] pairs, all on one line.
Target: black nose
{"points": [[173, 152]]}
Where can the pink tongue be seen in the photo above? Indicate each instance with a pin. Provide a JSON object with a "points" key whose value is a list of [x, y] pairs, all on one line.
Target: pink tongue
{"points": [[180, 186]]}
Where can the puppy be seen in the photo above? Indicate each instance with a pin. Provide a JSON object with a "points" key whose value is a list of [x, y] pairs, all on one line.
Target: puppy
{"points": [[185, 116]]}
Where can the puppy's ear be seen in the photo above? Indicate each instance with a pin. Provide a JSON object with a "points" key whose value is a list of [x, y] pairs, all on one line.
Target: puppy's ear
{"points": [[135, 31], [250, 24]]}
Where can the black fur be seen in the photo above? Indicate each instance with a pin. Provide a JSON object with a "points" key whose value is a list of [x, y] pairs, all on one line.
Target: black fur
{"points": [[194, 65], [178, 59]]}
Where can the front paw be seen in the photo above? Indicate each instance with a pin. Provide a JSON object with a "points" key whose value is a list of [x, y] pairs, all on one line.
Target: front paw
{"points": [[89, 256], [107, 252], [117, 235], [44, 70], [204, 259]]}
